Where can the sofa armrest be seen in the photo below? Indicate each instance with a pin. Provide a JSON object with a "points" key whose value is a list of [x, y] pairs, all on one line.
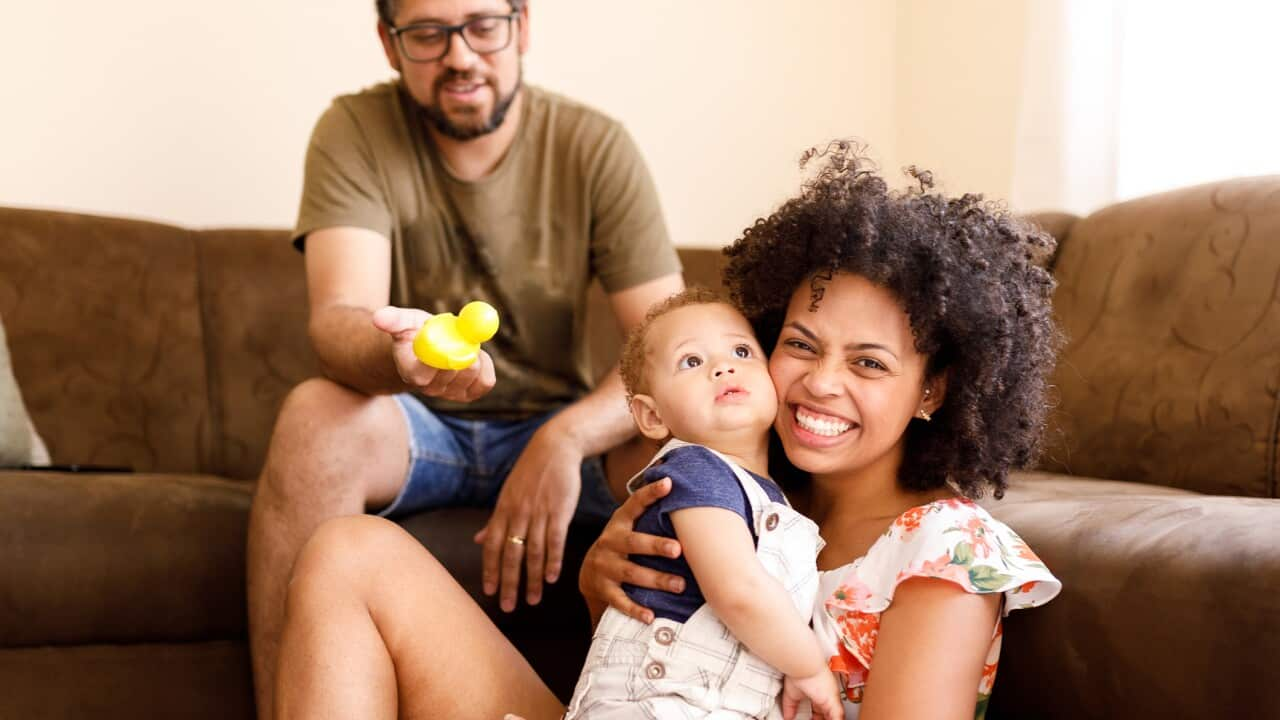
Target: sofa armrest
{"points": [[1169, 607]]}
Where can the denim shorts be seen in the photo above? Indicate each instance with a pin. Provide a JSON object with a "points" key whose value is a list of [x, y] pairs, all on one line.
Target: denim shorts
{"points": [[455, 462]]}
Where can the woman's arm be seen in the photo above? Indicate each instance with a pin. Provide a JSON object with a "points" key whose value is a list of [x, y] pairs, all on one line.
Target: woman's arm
{"points": [[606, 565], [930, 651]]}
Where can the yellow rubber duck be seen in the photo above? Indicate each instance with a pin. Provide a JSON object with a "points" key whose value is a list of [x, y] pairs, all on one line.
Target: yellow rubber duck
{"points": [[452, 342]]}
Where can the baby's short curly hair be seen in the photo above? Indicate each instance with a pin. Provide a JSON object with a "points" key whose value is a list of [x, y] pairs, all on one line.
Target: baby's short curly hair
{"points": [[968, 275], [633, 350]]}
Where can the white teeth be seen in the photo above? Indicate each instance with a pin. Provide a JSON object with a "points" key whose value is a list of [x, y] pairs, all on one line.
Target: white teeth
{"points": [[827, 427]]}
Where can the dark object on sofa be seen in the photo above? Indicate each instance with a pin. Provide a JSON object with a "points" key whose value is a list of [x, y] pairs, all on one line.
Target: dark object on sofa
{"points": [[170, 351]]}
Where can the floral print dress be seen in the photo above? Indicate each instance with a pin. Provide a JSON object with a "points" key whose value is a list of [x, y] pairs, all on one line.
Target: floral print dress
{"points": [[953, 540]]}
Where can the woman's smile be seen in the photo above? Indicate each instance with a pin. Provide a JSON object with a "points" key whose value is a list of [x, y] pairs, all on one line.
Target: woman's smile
{"points": [[817, 429]]}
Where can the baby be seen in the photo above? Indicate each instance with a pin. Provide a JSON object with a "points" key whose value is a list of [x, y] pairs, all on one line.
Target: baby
{"points": [[697, 379]]}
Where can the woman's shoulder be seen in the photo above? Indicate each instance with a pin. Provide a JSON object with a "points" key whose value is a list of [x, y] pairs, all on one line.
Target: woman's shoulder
{"points": [[955, 540]]}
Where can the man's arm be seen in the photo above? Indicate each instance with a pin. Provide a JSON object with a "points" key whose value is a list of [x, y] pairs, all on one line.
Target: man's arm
{"points": [[540, 495], [360, 342], [601, 420]]}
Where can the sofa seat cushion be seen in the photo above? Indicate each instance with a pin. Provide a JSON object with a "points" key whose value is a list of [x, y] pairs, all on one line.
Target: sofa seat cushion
{"points": [[121, 558], [1168, 607]]}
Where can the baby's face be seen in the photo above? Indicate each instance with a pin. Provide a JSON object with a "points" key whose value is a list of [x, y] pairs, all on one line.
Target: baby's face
{"points": [[707, 375]]}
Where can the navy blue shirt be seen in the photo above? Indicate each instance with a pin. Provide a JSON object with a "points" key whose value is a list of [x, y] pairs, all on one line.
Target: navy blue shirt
{"points": [[699, 478]]}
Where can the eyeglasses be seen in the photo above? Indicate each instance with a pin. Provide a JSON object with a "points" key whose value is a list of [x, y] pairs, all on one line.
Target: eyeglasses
{"points": [[426, 42]]}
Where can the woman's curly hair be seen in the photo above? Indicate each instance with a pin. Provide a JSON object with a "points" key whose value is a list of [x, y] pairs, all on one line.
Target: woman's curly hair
{"points": [[968, 275]]}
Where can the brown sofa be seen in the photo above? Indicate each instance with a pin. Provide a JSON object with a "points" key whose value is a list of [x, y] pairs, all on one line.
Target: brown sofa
{"points": [[169, 351]]}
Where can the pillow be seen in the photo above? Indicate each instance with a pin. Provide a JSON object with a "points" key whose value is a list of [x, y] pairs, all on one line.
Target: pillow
{"points": [[19, 442]]}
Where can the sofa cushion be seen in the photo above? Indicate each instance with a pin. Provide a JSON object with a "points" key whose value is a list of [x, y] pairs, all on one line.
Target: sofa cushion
{"points": [[1168, 607], [105, 333], [1171, 374], [253, 300], [121, 558]]}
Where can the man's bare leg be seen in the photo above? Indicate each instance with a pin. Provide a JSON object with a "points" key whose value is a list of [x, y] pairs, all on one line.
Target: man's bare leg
{"points": [[334, 452], [377, 628]]}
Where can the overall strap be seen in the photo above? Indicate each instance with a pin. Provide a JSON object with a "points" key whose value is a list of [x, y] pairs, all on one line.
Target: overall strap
{"points": [[756, 495]]}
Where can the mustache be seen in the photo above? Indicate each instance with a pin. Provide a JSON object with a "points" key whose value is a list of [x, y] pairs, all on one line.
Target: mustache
{"points": [[454, 75]]}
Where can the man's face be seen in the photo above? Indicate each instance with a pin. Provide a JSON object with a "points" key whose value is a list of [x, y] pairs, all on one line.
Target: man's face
{"points": [[464, 94]]}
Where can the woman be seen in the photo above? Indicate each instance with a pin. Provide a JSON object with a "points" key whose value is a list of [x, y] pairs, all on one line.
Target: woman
{"points": [[911, 338]]}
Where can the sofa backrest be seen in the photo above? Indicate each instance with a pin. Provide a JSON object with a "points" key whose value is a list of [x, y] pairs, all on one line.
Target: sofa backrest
{"points": [[165, 349], [106, 340], [253, 294], [171, 350], [1171, 373], [152, 346]]}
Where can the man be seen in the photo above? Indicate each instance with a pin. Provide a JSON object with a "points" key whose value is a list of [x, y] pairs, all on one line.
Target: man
{"points": [[452, 184]]}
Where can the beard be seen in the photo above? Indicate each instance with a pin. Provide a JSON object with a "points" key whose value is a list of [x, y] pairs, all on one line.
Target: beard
{"points": [[447, 127]]}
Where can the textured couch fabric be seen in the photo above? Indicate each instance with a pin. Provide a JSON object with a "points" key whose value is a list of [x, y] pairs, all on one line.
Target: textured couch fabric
{"points": [[1173, 368], [170, 351]]}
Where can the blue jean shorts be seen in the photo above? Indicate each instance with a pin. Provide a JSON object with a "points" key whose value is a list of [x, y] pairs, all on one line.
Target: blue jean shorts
{"points": [[456, 462]]}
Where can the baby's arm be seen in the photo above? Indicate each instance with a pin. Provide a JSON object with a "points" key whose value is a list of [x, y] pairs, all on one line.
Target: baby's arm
{"points": [[750, 602]]}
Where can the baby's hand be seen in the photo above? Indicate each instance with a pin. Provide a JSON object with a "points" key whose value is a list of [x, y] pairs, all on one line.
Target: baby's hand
{"points": [[820, 689]]}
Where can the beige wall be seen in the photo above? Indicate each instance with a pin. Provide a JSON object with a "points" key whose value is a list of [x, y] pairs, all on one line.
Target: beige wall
{"points": [[959, 79], [198, 113]]}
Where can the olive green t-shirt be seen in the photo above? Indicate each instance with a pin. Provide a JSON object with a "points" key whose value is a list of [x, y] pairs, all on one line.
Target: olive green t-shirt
{"points": [[571, 200]]}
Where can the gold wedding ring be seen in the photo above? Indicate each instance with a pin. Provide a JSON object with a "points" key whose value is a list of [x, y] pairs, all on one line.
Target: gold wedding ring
{"points": [[515, 539]]}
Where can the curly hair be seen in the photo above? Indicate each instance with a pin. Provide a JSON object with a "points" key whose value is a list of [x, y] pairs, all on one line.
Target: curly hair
{"points": [[968, 275], [387, 10], [631, 364]]}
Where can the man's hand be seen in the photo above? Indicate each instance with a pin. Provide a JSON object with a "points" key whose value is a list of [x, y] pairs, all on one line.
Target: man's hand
{"points": [[402, 324], [821, 691], [607, 564], [536, 503]]}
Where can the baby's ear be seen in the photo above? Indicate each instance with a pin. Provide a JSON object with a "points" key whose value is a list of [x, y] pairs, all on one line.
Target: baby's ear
{"points": [[645, 412]]}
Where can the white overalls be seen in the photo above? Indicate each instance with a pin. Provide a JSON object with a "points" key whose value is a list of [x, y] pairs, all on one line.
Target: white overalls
{"points": [[697, 669]]}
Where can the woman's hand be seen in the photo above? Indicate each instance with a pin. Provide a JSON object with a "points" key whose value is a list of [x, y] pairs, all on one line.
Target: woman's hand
{"points": [[606, 565], [820, 689]]}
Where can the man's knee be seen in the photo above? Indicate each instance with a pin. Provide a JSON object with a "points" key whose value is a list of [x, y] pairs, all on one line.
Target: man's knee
{"points": [[327, 433], [316, 404]]}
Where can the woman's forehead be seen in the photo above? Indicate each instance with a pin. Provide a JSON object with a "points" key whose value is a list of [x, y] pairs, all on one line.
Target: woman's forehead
{"points": [[849, 308]]}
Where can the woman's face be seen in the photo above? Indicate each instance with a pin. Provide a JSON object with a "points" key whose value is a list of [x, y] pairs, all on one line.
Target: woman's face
{"points": [[848, 377]]}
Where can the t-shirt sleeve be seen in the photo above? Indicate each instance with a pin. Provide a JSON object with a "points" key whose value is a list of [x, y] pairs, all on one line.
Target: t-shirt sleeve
{"points": [[630, 244], [341, 185], [698, 479], [951, 540]]}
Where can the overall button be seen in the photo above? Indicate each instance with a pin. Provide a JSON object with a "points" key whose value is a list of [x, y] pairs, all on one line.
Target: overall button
{"points": [[664, 635], [654, 671], [771, 522]]}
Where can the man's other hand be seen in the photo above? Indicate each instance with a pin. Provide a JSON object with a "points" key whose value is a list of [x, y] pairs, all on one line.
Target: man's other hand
{"points": [[531, 518]]}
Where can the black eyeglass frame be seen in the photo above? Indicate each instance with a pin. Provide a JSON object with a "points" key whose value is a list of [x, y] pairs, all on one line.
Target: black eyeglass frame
{"points": [[450, 31]]}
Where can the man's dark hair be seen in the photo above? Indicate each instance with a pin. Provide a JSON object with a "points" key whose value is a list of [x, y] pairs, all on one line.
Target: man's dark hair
{"points": [[970, 278], [387, 10]]}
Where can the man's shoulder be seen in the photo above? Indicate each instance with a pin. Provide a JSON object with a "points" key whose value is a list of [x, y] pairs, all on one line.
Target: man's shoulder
{"points": [[570, 116], [372, 106]]}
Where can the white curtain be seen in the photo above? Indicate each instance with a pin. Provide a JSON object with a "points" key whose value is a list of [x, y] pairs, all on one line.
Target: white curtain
{"points": [[1123, 99]]}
